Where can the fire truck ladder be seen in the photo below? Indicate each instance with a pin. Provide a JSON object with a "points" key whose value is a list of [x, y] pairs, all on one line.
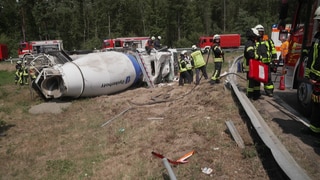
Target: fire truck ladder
{"points": [[143, 68]]}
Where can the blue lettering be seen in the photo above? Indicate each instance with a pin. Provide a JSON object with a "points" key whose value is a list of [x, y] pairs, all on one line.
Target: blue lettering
{"points": [[127, 79], [112, 84]]}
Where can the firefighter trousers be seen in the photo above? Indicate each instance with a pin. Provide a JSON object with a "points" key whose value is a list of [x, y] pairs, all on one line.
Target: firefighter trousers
{"points": [[203, 69], [315, 115], [216, 73], [253, 88], [269, 86], [184, 78]]}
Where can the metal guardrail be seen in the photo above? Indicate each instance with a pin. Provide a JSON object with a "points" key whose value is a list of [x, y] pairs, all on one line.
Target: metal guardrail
{"points": [[12, 59], [278, 150]]}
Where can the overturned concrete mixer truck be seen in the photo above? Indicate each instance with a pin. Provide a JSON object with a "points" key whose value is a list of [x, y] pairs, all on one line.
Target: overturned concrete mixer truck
{"points": [[101, 73]]}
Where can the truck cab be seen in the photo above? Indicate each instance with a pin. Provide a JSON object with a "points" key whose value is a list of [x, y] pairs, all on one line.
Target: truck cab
{"points": [[301, 34], [226, 41], [36, 47]]}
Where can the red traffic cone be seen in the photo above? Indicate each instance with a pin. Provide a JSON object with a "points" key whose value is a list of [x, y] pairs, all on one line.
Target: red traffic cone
{"points": [[281, 84]]}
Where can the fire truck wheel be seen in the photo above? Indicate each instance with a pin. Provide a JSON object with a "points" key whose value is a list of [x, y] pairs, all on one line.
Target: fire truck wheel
{"points": [[304, 98]]}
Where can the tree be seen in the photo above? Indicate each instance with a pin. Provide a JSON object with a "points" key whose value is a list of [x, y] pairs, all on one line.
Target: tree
{"points": [[83, 24]]}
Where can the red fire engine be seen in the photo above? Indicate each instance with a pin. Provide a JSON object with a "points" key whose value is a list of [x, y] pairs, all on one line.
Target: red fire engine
{"points": [[303, 28], [36, 47], [226, 41], [3, 52]]}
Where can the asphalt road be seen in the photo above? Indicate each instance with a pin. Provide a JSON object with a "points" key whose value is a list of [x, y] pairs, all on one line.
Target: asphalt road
{"points": [[289, 96]]}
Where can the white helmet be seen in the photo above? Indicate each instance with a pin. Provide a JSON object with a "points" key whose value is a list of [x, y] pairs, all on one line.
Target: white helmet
{"points": [[159, 37], [255, 31], [194, 47], [19, 62], [252, 33], [183, 52], [153, 38], [259, 27], [216, 36], [317, 13]]}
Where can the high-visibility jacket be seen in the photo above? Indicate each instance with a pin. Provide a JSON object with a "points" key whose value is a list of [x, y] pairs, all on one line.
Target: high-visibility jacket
{"points": [[266, 49], [250, 52], [313, 65], [188, 62], [217, 53], [284, 49], [312, 71], [198, 59], [182, 65]]}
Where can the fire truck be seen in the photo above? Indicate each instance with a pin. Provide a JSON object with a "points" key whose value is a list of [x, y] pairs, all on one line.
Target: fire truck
{"points": [[226, 41], [124, 42], [3, 52], [36, 47], [303, 28], [277, 38]]}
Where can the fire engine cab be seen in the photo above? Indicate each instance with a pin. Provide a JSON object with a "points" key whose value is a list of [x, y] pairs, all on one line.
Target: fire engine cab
{"points": [[36, 47], [303, 28]]}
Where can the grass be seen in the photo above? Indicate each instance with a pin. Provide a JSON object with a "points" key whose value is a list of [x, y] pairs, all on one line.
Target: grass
{"points": [[7, 77], [73, 145]]}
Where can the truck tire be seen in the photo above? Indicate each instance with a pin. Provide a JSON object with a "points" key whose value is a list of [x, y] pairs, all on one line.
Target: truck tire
{"points": [[304, 98]]}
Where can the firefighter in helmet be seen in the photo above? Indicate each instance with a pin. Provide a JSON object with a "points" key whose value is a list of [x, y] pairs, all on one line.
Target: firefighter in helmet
{"points": [[157, 43], [218, 59], [199, 63], [190, 64], [184, 75], [25, 74], [150, 44], [268, 53], [250, 54], [19, 73], [312, 73]]}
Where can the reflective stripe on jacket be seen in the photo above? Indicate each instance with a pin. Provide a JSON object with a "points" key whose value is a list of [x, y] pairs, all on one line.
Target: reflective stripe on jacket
{"points": [[264, 50], [182, 65], [217, 53]]}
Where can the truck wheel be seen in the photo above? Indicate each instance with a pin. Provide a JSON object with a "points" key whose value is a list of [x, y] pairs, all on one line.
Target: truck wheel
{"points": [[304, 98]]}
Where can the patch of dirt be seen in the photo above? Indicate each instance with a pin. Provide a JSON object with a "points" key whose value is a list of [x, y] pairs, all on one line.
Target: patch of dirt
{"points": [[112, 136]]}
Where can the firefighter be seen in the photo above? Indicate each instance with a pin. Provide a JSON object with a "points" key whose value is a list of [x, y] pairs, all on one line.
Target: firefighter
{"points": [[312, 73], [199, 64], [19, 73], [150, 44], [284, 48], [190, 64], [157, 43], [25, 73], [184, 75], [32, 73], [250, 53], [266, 49], [218, 59], [284, 51]]}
